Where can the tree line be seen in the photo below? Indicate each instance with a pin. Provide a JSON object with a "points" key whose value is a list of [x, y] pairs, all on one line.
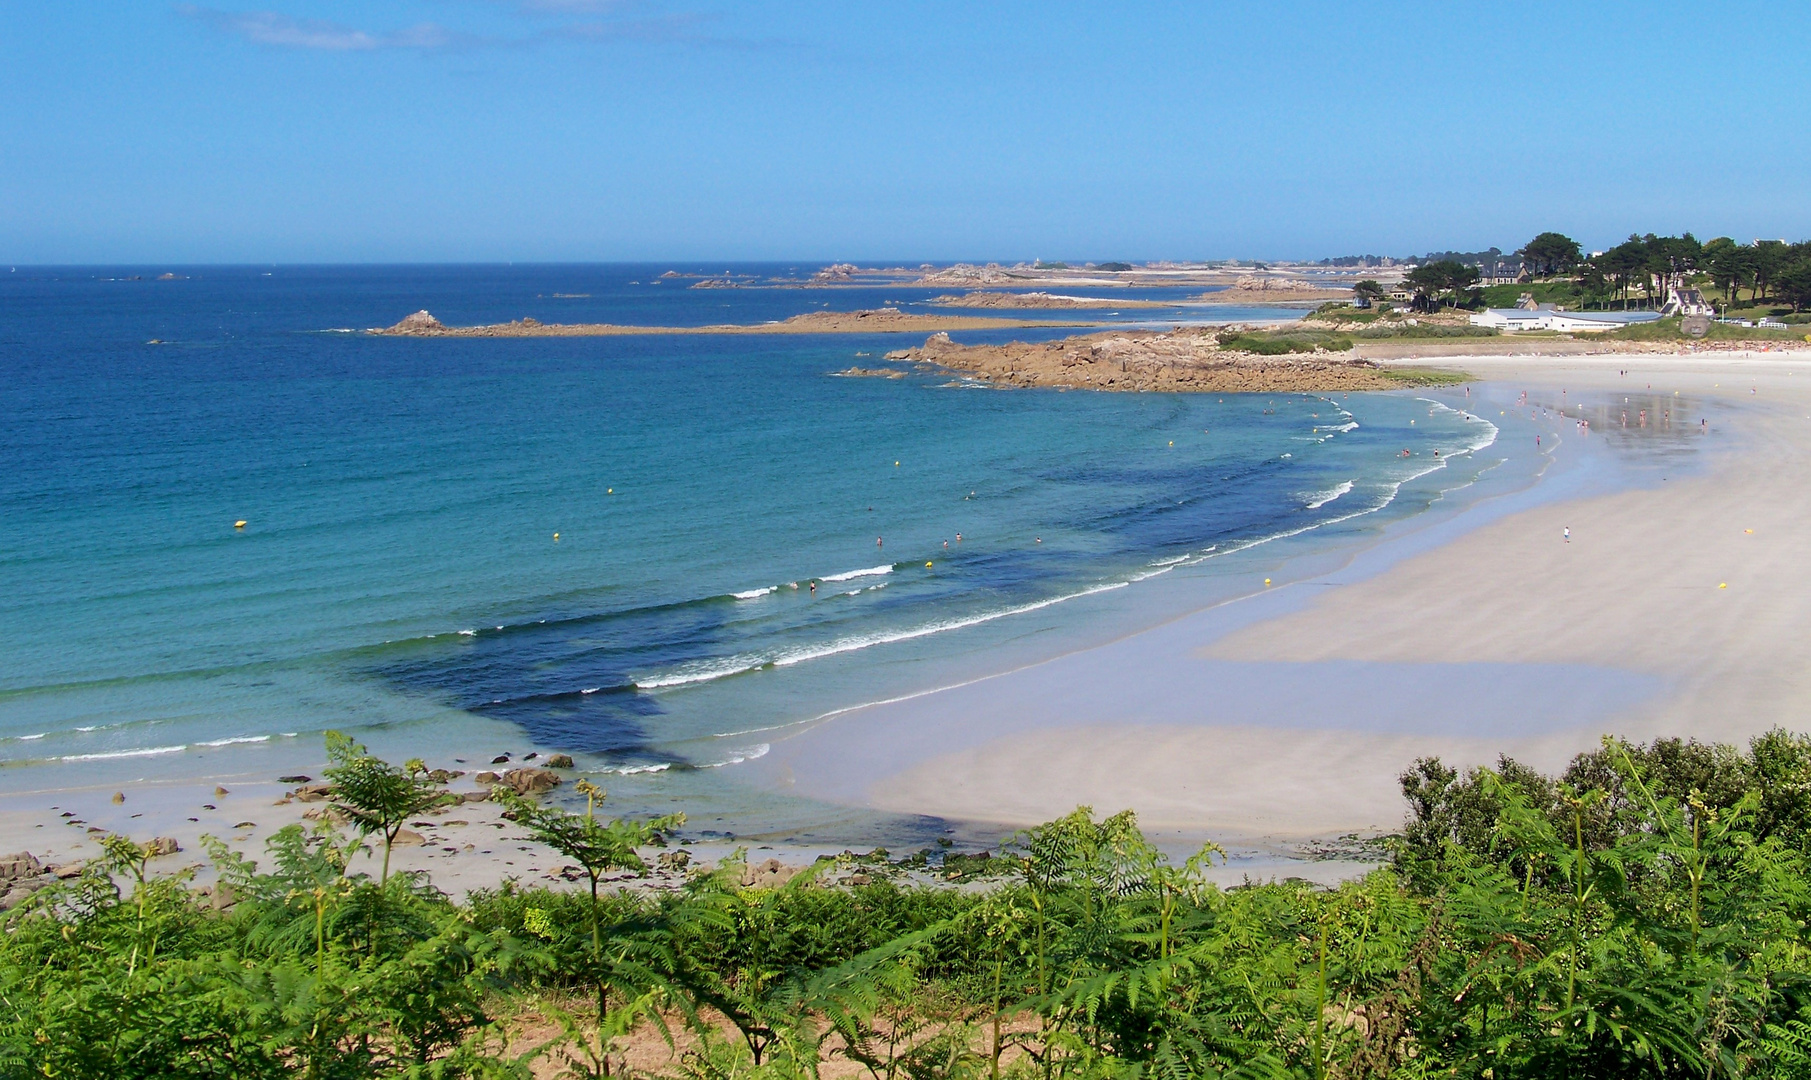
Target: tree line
{"points": [[1642, 914], [1770, 270]]}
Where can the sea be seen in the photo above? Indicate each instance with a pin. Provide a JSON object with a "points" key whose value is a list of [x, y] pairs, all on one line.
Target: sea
{"points": [[655, 553]]}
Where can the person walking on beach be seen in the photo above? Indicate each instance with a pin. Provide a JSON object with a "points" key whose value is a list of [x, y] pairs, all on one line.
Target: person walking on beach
{"points": [[1566, 533]]}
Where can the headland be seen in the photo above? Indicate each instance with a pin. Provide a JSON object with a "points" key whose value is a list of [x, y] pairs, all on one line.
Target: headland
{"points": [[1203, 360]]}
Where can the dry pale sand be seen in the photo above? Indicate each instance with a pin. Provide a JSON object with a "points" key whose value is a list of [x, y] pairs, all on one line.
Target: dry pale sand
{"points": [[1696, 588], [461, 847], [1703, 579]]}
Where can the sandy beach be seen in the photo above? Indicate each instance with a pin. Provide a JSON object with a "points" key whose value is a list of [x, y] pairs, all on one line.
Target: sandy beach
{"points": [[1676, 608], [1284, 715]]}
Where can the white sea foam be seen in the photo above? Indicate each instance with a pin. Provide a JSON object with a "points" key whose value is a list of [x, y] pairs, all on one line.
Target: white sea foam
{"points": [[737, 665], [632, 770], [869, 572], [754, 593], [149, 751], [737, 757], [687, 674], [468, 633], [590, 689], [1323, 498], [236, 739], [863, 641], [31, 738]]}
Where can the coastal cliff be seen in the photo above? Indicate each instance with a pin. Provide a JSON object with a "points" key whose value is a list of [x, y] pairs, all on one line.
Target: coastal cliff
{"points": [[1178, 360]]}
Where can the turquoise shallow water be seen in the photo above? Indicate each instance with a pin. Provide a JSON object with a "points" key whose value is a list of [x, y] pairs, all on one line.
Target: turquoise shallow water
{"points": [[399, 568]]}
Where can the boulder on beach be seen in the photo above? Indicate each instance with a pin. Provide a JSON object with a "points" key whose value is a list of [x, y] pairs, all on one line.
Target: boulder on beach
{"points": [[559, 761], [530, 781], [161, 845], [770, 874], [332, 815], [20, 864]]}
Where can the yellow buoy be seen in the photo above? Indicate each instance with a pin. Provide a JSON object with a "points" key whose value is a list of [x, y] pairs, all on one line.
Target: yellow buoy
{"points": [[896, 464], [609, 491], [1723, 585], [1172, 442], [556, 538], [927, 566], [1266, 581], [240, 524]]}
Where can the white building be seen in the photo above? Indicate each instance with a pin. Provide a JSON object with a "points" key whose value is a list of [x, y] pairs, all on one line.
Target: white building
{"points": [[1548, 317]]}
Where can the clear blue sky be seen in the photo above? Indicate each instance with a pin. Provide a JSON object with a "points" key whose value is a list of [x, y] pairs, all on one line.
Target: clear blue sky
{"points": [[434, 130]]}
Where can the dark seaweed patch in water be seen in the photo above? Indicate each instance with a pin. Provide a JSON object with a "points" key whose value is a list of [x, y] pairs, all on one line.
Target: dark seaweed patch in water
{"points": [[568, 682]]}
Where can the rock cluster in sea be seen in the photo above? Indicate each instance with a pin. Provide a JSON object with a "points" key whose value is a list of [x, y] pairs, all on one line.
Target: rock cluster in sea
{"points": [[1185, 360], [419, 323]]}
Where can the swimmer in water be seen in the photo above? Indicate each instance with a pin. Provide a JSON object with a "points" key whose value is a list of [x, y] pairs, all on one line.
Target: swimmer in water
{"points": [[877, 542]]}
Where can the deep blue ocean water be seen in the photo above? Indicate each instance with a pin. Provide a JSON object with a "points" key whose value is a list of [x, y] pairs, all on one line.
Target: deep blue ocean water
{"points": [[399, 566]]}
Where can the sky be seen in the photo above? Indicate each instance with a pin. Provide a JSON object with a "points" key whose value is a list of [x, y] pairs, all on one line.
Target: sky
{"points": [[623, 130]]}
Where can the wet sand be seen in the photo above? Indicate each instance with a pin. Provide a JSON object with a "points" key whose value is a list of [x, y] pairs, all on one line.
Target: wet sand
{"points": [[1287, 715]]}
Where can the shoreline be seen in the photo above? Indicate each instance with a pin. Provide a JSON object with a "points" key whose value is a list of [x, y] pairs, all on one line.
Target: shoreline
{"points": [[1257, 760], [1423, 674]]}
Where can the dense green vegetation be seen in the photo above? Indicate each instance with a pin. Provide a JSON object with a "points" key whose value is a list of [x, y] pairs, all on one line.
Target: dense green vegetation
{"points": [[1641, 915], [1776, 275], [1282, 342], [1669, 330], [1420, 376], [1770, 269]]}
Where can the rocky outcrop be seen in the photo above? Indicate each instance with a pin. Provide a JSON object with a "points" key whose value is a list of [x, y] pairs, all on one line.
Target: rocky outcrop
{"points": [[21, 874], [770, 874], [1273, 290], [876, 321], [968, 274], [871, 373], [529, 781], [420, 323], [1036, 300], [332, 815], [1178, 360]]}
